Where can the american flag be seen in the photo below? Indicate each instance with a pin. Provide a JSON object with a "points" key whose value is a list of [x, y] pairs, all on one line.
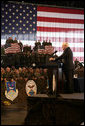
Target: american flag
{"points": [[12, 48], [29, 22], [18, 20], [47, 50], [62, 25]]}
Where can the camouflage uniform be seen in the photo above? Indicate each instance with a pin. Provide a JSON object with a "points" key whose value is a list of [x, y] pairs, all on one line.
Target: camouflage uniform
{"points": [[31, 74], [21, 86], [8, 76], [40, 82], [3, 87], [45, 80]]}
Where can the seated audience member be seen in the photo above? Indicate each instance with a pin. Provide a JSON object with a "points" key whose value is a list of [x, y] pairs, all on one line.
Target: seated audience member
{"points": [[39, 81], [25, 74], [16, 74], [3, 88], [20, 74], [31, 74], [9, 74], [2, 74]]}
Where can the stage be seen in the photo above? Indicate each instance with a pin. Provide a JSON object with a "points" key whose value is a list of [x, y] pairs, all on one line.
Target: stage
{"points": [[65, 109]]}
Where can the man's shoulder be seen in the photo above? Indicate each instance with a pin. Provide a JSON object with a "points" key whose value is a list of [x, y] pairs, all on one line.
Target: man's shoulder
{"points": [[67, 49]]}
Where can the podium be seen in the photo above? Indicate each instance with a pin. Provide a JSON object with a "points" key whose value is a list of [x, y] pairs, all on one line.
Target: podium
{"points": [[54, 76]]}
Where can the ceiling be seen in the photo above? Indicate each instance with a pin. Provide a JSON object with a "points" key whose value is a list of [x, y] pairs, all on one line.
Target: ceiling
{"points": [[63, 3]]}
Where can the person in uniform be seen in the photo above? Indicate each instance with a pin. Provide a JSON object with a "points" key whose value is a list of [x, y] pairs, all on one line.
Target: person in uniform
{"points": [[2, 85], [39, 81], [21, 76], [25, 74], [45, 84], [8, 74], [68, 66], [21, 83], [31, 74]]}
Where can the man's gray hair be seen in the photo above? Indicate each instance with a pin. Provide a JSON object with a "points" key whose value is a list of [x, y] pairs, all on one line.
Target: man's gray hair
{"points": [[65, 44]]}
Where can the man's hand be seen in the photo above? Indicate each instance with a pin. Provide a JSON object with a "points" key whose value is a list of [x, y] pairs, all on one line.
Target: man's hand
{"points": [[51, 59]]}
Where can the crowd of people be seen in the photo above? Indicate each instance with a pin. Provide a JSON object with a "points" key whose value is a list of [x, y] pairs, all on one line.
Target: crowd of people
{"points": [[23, 59], [21, 75]]}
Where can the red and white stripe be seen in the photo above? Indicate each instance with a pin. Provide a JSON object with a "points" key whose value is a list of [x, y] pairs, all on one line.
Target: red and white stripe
{"points": [[15, 48], [48, 50], [60, 25]]}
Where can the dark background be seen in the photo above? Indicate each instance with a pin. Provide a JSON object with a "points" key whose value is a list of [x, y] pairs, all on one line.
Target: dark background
{"points": [[63, 3]]}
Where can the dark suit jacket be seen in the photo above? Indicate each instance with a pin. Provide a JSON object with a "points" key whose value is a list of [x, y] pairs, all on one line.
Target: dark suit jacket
{"points": [[67, 59]]}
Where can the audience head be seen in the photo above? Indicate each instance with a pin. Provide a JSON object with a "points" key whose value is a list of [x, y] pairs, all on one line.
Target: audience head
{"points": [[37, 70], [2, 70], [20, 69], [31, 70], [8, 69], [45, 70]]}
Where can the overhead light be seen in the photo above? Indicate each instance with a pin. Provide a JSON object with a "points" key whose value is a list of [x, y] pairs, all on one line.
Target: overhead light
{"points": [[22, 1]]}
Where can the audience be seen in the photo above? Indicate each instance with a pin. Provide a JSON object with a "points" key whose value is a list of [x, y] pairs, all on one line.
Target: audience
{"points": [[22, 75]]}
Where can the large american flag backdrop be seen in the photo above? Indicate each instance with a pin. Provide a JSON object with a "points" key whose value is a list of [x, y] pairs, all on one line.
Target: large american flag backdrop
{"points": [[30, 23]]}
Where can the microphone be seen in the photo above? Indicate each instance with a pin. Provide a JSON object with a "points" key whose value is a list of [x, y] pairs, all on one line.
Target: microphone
{"points": [[55, 52]]}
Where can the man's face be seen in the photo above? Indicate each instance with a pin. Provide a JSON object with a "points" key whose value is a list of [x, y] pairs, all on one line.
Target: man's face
{"points": [[63, 47], [31, 70], [8, 69]]}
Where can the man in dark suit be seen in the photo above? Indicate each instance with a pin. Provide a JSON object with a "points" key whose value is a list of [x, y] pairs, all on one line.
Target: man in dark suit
{"points": [[68, 66]]}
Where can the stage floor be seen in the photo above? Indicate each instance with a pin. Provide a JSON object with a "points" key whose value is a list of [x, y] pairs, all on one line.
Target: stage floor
{"points": [[73, 96], [15, 114]]}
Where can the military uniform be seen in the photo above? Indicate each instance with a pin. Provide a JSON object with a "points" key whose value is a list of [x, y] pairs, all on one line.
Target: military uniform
{"points": [[17, 60], [40, 82], [21, 59], [21, 83], [45, 83], [3, 88], [31, 75], [8, 76]]}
